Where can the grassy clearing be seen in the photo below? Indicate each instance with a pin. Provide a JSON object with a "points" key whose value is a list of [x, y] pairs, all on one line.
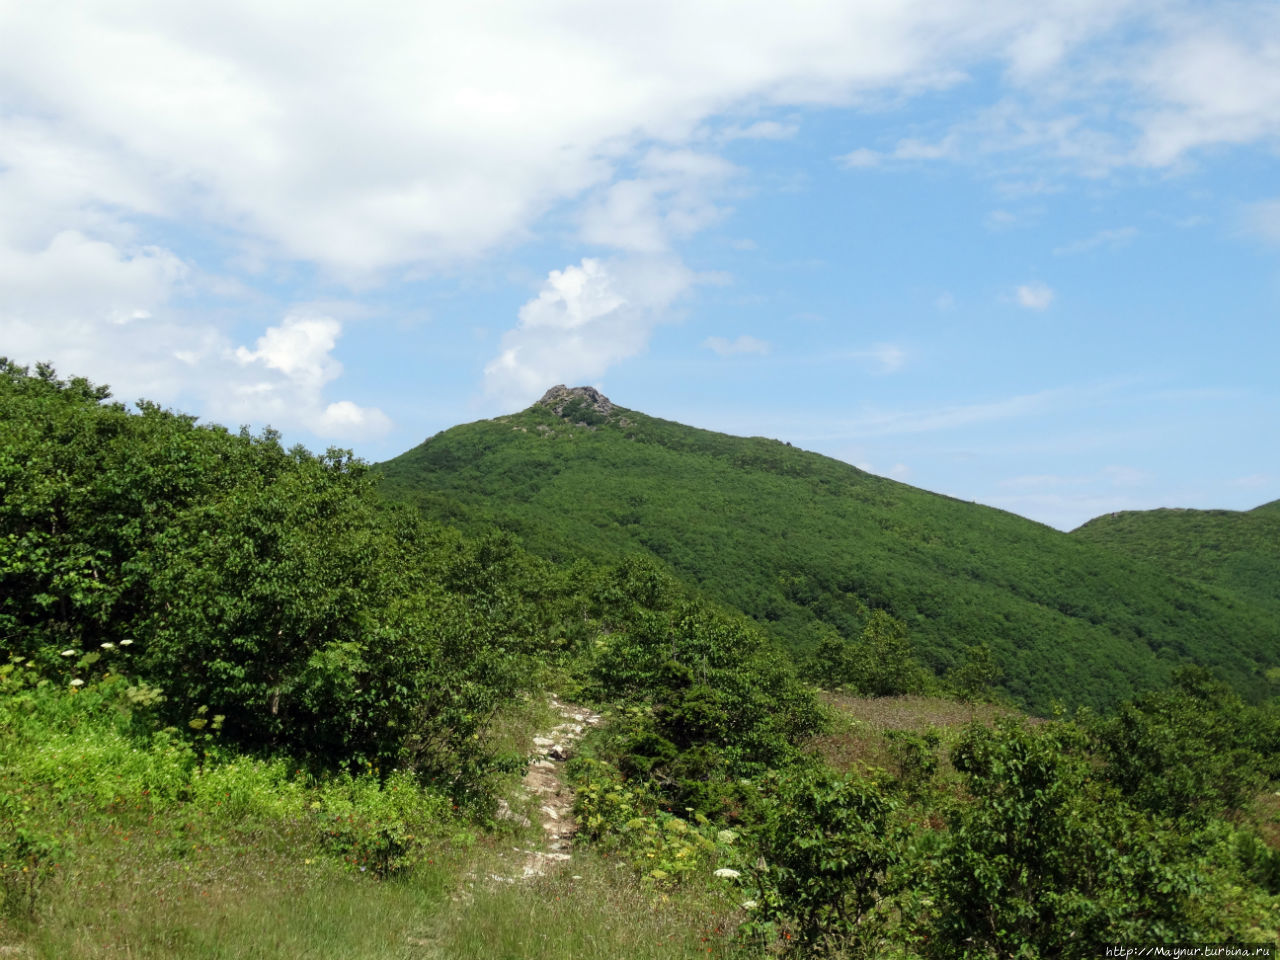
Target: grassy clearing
{"points": [[914, 713], [865, 731], [143, 849], [592, 908], [251, 896], [236, 903]]}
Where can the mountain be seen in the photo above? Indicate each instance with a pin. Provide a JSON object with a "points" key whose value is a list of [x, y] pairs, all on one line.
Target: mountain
{"points": [[805, 545], [1238, 551]]}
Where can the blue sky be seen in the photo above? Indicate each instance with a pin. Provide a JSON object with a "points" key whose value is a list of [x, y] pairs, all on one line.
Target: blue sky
{"points": [[1024, 254]]}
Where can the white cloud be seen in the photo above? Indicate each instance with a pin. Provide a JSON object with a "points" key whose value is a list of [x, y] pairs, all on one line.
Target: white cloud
{"points": [[406, 134], [743, 344], [401, 136], [1111, 239], [760, 130], [861, 159], [282, 382], [895, 423], [671, 197], [1034, 296], [585, 319], [1000, 220], [887, 357], [111, 320], [1214, 80]]}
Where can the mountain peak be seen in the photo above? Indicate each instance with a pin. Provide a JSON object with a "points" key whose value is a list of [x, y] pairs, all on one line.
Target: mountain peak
{"points": [[586, 404]]}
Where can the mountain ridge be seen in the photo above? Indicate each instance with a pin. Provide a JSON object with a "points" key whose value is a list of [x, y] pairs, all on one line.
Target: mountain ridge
{"points": [[807, 545]]}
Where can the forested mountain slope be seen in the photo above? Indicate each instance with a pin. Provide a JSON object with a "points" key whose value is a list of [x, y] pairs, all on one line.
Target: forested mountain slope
{"points": [[807, 545], [1235, 550]]}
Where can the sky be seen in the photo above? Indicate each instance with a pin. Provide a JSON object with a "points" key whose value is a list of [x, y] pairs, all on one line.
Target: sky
{"points": [[1026, 254]]}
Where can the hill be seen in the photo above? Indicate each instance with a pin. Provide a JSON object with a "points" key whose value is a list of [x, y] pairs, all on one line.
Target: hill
{"points": [[807, 545], [1238, 551]]}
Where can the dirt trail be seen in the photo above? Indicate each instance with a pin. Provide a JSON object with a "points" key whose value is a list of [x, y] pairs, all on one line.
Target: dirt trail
{"points": [[545, 785]]}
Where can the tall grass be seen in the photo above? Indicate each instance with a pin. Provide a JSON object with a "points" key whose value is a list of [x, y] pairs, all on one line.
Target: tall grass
{"points": [[154, 851]]}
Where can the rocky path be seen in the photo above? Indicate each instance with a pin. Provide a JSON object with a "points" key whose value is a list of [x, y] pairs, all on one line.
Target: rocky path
{"points": [[544, 785]]}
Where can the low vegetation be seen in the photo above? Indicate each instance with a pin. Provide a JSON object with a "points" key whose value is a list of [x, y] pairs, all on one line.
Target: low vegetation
{"points": [[250, 709]]}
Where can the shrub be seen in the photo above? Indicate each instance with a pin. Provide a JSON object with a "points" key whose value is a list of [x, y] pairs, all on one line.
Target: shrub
{"points": [[825, 845]]}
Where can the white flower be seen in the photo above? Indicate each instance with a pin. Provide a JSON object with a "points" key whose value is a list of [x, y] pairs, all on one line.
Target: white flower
{"points": [[107, 646], [77, 682], [726, 836], [69, 653], [125, 643], [728, 873], [749, 904]]}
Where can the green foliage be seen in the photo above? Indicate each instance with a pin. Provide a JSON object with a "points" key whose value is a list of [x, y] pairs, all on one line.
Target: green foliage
{"points": [[1042, 860], [977, 677], [809, 547], [826, 844], [1235, 552], [720, 701], [28, 856], [880, 663], [256, 596], [624, 818], [1189, 752]]}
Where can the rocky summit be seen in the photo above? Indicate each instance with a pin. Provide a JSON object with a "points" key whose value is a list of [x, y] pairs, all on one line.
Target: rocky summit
{"points": [[573, 403]]}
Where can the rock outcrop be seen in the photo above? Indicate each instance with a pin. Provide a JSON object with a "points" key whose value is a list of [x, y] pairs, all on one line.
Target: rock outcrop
{"points": [[578, 404]]}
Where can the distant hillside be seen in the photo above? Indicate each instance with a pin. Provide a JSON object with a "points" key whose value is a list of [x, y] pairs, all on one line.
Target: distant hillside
{"points": [[1235, 550], [804, 543]]}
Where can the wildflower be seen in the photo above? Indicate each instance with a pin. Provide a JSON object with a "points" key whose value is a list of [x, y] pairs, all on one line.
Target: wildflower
{"points": [[749, 904], [77, 682], [107, 646], [69, 653], [728, 873], [125, 643]]}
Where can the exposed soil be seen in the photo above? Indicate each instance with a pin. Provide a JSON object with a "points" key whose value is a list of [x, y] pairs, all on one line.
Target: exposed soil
{"points": [[544, 785]]}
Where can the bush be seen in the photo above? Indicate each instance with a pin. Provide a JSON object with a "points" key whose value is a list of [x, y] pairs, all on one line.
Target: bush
{"points": [[1044, 861], [826, 843]]}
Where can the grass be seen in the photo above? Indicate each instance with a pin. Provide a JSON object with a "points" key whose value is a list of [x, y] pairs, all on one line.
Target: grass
{"points": [[236, 902], [863, 729], [150, 852], [250, 896], [914, 713], [592, 908]]}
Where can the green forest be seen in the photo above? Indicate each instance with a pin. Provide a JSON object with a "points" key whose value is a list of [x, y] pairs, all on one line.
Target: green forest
{"points": [[261, 702], [809, 547]]}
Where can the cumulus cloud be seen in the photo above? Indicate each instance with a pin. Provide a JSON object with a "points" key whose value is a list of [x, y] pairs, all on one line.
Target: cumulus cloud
{"points": [[115, 324], [743, 344], [283, 378], [365, 140], [585, 319], [1215, 79], [1034, 296], [408, 134]]}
